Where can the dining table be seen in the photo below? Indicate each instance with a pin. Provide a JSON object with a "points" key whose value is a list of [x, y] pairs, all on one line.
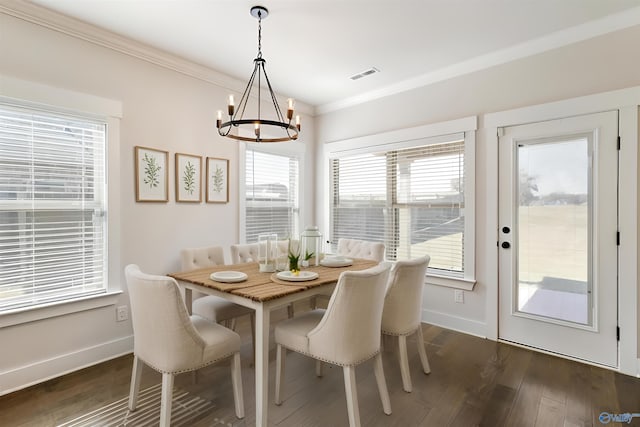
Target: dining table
{"points": [[264, 292]]}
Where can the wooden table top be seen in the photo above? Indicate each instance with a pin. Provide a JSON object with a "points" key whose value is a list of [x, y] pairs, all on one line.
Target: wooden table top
{"points": [[265, 286]]}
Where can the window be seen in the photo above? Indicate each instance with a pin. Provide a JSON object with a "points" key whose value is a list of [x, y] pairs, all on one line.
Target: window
{"points": [[52, 207], [271, 194], [412, 194]]}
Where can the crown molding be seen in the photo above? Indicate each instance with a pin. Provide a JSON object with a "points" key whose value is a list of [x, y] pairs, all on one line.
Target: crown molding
{"points": [[79, 29], [614, 22]]}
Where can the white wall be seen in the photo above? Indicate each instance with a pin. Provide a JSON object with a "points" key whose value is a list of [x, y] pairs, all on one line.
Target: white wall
{"points": [[163, 109], [171, 111], [597, 65]]}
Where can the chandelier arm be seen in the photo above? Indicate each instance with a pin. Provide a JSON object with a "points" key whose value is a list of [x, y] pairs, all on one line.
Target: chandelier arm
{"points": [[289, 134], [261, 65], [222, 126], [246, 95], [276, 106]]}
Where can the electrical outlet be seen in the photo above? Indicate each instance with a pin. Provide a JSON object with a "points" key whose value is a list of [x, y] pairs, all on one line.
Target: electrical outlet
{"points": [[122, 313], [458, 296]]}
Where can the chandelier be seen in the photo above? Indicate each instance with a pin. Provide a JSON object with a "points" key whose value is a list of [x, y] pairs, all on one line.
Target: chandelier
{"points": [[286, 129]]}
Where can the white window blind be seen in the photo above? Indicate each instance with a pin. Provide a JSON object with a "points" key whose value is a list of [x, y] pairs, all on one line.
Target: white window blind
{"points": [[272, 202], [410, 199], [52, 207]]}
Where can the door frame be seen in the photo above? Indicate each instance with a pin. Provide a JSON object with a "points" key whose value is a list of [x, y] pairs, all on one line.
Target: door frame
{"points": [[627, 101]]}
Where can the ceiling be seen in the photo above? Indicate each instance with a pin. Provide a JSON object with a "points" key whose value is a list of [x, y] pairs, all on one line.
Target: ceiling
{"points": [[312, 47]]}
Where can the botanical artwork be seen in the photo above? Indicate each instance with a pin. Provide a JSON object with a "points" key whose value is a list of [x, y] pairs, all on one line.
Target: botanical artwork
{"points": [[151, 174], [151, 171], [188, 178], [217, 180]]}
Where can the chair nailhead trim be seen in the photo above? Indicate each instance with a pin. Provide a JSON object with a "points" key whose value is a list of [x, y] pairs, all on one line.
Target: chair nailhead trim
{"points": [[187, 370], [330, 361], [395, 334]]}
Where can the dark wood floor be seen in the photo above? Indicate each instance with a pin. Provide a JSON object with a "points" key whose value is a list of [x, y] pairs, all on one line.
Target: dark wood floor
{"points": [[473, 382]]}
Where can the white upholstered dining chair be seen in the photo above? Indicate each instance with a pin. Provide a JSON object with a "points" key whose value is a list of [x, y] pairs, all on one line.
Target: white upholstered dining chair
{"points": [[211, 307], [353, 248], [170, 341], [244, 253], [248, 252], [346, 334], [402, 309]]}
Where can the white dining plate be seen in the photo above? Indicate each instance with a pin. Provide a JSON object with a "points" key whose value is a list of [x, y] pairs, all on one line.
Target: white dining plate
{"points": [[228, 276], [336, 262], [300, 277]]}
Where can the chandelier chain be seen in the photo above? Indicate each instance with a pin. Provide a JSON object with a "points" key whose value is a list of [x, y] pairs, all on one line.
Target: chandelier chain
{"points": [[259, 34]]}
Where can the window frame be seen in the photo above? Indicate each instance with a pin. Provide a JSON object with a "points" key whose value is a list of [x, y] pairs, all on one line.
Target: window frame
{"points": [[409, 138], [26, 94], [289, 149]]}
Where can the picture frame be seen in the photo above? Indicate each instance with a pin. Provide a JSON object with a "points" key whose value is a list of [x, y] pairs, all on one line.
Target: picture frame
{"points": [[151, 174], [217, 180], [188, 178]]}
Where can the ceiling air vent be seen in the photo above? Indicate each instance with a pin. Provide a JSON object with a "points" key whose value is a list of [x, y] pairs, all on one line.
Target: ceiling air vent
{"points": [[365, 73]]}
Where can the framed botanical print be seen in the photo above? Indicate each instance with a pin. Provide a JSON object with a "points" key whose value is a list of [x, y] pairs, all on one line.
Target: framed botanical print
{"points": [[151, 174], [188, 178], [217, 180]]}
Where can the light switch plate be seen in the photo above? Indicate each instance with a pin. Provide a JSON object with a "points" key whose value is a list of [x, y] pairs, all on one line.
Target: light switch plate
{"points": [[122, 313]]}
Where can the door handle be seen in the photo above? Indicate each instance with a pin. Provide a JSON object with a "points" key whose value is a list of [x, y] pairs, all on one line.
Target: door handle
{"points": [[506, 245]]}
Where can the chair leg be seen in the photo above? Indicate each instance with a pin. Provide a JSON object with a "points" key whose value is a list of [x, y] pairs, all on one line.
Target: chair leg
{"points": [[318, 368], [352, 395], [136, 375], [423, 353], [382, 384], [236, 380], [165, 403], [281, 354], [290, 311], [313, 303], [232, 324], [404, 363]]}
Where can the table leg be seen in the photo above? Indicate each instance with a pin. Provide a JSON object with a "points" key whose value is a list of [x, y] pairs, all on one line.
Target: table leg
{"points": [[262, 365], [188, 299]]}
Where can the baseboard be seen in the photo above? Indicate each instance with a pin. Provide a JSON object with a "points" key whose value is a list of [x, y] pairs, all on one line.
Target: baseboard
{"points": [[456, 323], [44, 370]]}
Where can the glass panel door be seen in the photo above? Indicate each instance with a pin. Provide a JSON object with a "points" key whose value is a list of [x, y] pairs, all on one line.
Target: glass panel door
{"points": [[554, 229]]}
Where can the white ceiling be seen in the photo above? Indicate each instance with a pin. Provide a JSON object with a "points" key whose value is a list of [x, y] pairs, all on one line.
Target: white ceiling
{"points": [[312, 47]]}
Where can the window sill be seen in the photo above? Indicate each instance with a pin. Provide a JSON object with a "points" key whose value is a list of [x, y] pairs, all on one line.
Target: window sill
{"points": [[450, 282], [32, 314]]}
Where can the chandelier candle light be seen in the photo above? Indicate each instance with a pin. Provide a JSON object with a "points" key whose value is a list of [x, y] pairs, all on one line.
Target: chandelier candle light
{"points": [[236, 116]]}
